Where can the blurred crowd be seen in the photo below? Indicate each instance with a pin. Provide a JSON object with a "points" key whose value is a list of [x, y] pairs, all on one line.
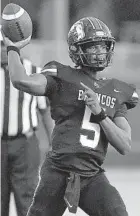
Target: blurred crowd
{"points": [[122, 16]]}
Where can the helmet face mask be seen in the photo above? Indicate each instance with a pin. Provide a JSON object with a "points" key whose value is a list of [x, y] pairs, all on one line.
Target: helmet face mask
{"points": [[90, 43], [95, 54]]}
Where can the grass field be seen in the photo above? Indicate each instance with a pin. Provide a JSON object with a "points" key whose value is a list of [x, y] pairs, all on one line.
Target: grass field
{"points": [[127, 181]]}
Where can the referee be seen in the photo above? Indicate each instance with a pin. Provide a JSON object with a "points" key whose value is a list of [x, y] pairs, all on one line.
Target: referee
{"points": [[20, 155]]}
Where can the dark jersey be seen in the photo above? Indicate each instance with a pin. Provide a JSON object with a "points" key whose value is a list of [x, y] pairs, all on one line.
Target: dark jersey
{"points": [[78, 142]]}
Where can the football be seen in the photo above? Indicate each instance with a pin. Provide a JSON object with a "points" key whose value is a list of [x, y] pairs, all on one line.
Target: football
{"points": [[16, 23]]}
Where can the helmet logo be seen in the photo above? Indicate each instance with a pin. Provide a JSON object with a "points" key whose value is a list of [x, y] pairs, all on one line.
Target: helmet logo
{"points": [[77, 31], [80, 31]]}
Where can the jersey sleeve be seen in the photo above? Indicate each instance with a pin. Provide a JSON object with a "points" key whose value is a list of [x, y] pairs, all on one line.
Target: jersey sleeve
{"points": [[128, 94], [132, 100], [121, 111], [50, 71], [59, 71], [51, 68]]}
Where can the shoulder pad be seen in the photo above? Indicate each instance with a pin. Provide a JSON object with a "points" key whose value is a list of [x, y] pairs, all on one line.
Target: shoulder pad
{"points": [[51, 68], [128, 91]]}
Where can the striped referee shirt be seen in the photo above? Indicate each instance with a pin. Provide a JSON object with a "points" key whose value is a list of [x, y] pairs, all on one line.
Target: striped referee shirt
{"points": [[18, 110]]}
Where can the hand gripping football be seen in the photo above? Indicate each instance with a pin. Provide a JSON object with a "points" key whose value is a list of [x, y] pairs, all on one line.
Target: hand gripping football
{"points": [[16, 23]]}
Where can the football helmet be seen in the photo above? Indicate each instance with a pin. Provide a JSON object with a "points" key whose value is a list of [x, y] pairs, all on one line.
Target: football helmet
{"points": [[84, 37]]}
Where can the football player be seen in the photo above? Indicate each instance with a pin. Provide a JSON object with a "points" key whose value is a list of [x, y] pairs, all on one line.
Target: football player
{"points": [[89, 113]]}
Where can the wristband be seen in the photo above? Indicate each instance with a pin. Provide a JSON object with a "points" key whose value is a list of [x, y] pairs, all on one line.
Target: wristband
{"points": [[14, 48], [101, 116]]}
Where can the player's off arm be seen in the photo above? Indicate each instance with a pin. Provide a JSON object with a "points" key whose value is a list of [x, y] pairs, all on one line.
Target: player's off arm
{"points": [[34, 84], [118, 132]]}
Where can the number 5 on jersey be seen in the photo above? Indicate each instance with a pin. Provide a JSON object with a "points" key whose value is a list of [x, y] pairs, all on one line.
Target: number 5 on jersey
{"points": [[90, 132]]}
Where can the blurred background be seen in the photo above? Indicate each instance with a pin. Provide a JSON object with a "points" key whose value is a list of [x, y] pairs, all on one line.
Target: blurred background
{"points": [[51, 22]]}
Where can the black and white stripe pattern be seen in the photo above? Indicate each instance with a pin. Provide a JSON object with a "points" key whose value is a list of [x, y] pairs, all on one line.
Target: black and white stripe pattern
{"points": [[18, 109]]}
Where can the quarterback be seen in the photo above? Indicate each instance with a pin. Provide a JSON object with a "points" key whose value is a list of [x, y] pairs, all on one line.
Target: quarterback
{"points": [[89, 113]]}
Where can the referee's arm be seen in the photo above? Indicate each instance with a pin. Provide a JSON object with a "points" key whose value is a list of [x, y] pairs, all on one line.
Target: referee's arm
{"points": [[34, 84]]}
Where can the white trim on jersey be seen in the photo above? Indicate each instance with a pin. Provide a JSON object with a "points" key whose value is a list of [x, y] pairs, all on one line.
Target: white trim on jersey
{"points": [[50, 71], [13, 16], [135, 95]]}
